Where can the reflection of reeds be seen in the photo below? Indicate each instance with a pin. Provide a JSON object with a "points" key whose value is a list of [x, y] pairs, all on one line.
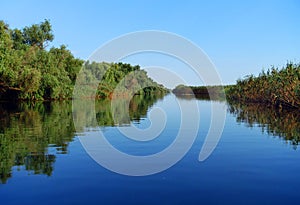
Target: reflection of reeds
{"points": [[283, 123], [277, 87]]}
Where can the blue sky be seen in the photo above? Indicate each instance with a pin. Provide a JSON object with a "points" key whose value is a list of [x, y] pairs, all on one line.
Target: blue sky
{"points": [[239, 37]]}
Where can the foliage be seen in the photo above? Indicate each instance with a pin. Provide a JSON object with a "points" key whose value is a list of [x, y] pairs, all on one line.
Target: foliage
{"points": [[35, 35], [202, 92], [28, 70], [118, 79], [280, 88]]}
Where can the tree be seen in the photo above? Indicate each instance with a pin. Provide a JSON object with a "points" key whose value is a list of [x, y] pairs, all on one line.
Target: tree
{"points": [[38, 34], [30, 72]]}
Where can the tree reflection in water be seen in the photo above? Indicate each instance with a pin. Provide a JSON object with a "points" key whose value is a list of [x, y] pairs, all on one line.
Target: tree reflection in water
{"points": [[29, 132], [26, 132]]}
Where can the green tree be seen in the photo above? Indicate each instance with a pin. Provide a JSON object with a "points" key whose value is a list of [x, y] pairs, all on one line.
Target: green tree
{"points": [[38, 34], [28, 71]]}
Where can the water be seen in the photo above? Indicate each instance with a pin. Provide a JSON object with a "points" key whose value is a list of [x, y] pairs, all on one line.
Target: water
{"points": [[43, 162]]}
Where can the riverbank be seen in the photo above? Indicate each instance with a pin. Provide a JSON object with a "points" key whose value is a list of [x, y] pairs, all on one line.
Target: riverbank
{"points": [[275, 87]]}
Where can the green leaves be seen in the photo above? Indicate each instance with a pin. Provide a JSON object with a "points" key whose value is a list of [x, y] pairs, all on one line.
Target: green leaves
{"points": [[28, 71], [38, 34], [276, 87], [120, 79]]}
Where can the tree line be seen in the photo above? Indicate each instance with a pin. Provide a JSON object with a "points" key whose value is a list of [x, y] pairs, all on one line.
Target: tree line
{"points": [[30, 70], [213, 92]]}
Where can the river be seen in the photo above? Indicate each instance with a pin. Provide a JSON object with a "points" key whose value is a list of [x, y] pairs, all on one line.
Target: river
{"points": [[45, 157]]}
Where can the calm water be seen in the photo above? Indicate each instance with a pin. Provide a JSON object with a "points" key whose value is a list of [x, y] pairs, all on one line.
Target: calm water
{"points": [[42, 161]]}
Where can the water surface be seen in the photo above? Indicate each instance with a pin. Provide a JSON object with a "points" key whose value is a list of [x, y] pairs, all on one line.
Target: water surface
{"points": [[43, 162]]}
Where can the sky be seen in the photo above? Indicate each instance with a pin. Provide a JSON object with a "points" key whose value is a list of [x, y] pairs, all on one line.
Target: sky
{"points": [[239, 37]]}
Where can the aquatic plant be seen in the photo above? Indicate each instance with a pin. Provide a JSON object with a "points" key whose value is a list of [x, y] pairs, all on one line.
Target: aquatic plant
{"points": [[280, 88]]}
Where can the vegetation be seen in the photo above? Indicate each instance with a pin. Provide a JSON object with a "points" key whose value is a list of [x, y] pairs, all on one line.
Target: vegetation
{"points": [[280, 88], [30, 71], [201, 92], [119, 79]]}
